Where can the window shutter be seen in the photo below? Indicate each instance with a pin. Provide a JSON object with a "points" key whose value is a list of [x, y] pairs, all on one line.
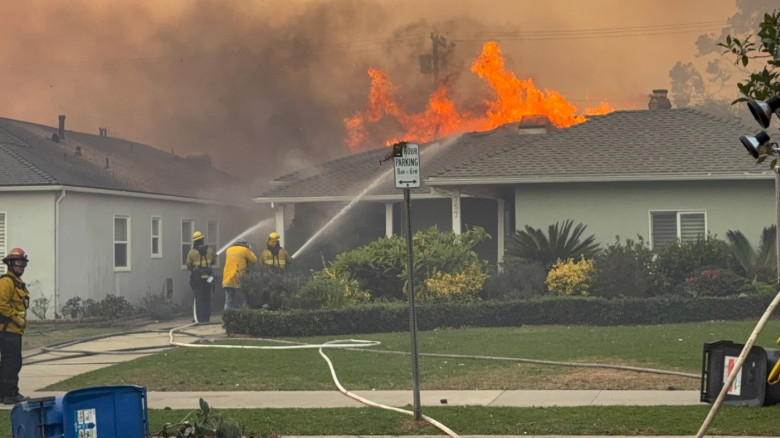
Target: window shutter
{"points": [[664, 228], [692, 227]]}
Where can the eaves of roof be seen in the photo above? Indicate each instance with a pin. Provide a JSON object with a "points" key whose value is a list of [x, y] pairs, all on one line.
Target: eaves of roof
{"points": [[108, 192], [458, 181]]}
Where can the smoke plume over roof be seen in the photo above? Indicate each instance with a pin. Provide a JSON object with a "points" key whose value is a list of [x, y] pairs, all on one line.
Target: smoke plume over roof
{"points": [[264, 86]]}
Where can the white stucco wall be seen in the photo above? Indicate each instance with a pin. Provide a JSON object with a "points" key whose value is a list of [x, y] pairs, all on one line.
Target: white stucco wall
{"points": [[86, 247], [622, 209], [29, 225]]}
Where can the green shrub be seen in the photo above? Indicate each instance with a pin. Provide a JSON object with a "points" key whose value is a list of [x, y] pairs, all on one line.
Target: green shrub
{"points": [[158, 306], [327, 291], [758, 263], [517, 279], [461, 287], [264, 287], [568, 310], [679, 262], [377, 266], [380, 267], [627, 270], [567, 277], [532, 245], [714, 283], [113, 307], [110, 307]]}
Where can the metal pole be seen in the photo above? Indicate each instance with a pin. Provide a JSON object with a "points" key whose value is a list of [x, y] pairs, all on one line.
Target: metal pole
{"points": [[435, 40], [412, 315], [760, 326], [777, 210]]}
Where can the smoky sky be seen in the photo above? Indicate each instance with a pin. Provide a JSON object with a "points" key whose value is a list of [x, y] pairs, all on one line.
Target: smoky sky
{"points": [[263, 87]]}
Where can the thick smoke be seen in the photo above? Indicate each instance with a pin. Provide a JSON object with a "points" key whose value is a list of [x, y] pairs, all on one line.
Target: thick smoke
{"points": [[264, 86]]}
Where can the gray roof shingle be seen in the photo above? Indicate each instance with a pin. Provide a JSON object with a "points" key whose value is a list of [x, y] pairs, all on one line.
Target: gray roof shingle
{"points": [[669, 144], [350, 175], [628, 145], [29, 157]]}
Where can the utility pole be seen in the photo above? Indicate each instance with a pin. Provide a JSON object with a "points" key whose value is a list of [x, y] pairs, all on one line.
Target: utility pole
{"points": [[431, 63]]}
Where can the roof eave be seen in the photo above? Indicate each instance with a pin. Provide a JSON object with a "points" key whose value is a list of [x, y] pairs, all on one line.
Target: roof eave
{"points": [[455, 181], [109, 192], [342, 198]]}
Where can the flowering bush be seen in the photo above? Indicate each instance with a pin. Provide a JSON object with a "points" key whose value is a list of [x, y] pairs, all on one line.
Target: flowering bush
{"points": [[461, 287], [714, 283], [571, 278]]}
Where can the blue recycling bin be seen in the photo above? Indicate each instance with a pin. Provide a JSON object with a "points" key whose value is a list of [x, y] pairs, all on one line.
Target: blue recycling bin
{"points": [[37, 418], [107, 411]]}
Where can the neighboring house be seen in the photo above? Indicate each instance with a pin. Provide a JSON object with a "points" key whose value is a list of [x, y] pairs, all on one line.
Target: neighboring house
{"points": [[100, 215], [663, 174]]}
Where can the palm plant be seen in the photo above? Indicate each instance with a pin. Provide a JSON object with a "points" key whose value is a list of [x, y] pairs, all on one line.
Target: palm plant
{"points": [[561, 242], [755, 263]]}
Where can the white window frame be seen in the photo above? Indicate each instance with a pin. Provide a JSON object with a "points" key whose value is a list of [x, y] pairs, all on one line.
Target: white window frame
{"points": [[212, 239], [3, 241], [678, 214], [186, 240], [155, 237], [128, 251]]}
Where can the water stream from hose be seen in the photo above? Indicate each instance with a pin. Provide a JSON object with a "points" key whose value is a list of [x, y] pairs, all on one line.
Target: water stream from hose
{"points": [[344, 210], [429, 151], [248, 231]]}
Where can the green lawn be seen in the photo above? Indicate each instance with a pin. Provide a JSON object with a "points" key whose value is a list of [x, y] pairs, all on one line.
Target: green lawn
{"points": [[591, 420], [41, 335], [674, 347], [668, 347]]}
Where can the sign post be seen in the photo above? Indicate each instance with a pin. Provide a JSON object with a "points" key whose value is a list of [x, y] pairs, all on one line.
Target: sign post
{"points": [[406, 164]]}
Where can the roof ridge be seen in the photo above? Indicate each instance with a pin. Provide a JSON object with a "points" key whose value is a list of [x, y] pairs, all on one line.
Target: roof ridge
{"points": [[12, 135], [35, 169]]}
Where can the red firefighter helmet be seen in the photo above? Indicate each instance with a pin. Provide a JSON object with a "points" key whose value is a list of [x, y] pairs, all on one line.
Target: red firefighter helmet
{"points": [[15, 254]]}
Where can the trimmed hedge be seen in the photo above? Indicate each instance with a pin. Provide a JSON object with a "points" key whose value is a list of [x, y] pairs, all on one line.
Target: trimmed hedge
{"points": [[394, 317]]}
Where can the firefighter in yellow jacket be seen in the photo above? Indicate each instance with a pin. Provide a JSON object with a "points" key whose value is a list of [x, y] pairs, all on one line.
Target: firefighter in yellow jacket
{"points": [[237, 257], [14, 300], [274, 256], [200, 259]]}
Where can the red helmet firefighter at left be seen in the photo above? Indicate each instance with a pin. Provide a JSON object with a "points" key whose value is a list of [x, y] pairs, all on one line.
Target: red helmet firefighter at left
{"points": [[14, 255]]}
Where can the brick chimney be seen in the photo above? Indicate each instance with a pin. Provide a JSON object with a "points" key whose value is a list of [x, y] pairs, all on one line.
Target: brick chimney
{"points": [[659, 101], [61, 132]]}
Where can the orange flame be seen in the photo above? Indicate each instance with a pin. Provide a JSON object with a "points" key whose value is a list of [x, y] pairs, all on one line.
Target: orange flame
{"points": [[515, 99]]}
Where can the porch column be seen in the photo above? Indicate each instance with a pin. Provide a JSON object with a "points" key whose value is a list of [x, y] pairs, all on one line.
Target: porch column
{"points": [[500, 230], [279, 225], [388, 219], [456, 222]]}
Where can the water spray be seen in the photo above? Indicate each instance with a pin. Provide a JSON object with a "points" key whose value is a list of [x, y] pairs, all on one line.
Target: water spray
{"points": [[428, 151], [344, 210], [248, 231]]}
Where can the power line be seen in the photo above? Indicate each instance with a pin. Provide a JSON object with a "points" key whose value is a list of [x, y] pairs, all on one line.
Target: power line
{"points": [[369, 45]]}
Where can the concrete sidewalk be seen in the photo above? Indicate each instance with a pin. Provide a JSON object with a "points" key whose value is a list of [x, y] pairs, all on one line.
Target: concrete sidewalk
{"points": [[41, 369]]}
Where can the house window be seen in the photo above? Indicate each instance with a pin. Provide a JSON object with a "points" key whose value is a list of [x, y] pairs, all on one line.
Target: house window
{"points": [[666, 227], [156, 236], [3, 246], [187, 228], [212, 238], [121, 243]]}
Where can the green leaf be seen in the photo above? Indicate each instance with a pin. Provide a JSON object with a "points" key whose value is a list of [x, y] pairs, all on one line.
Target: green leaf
{"points": [[204, 406]]}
